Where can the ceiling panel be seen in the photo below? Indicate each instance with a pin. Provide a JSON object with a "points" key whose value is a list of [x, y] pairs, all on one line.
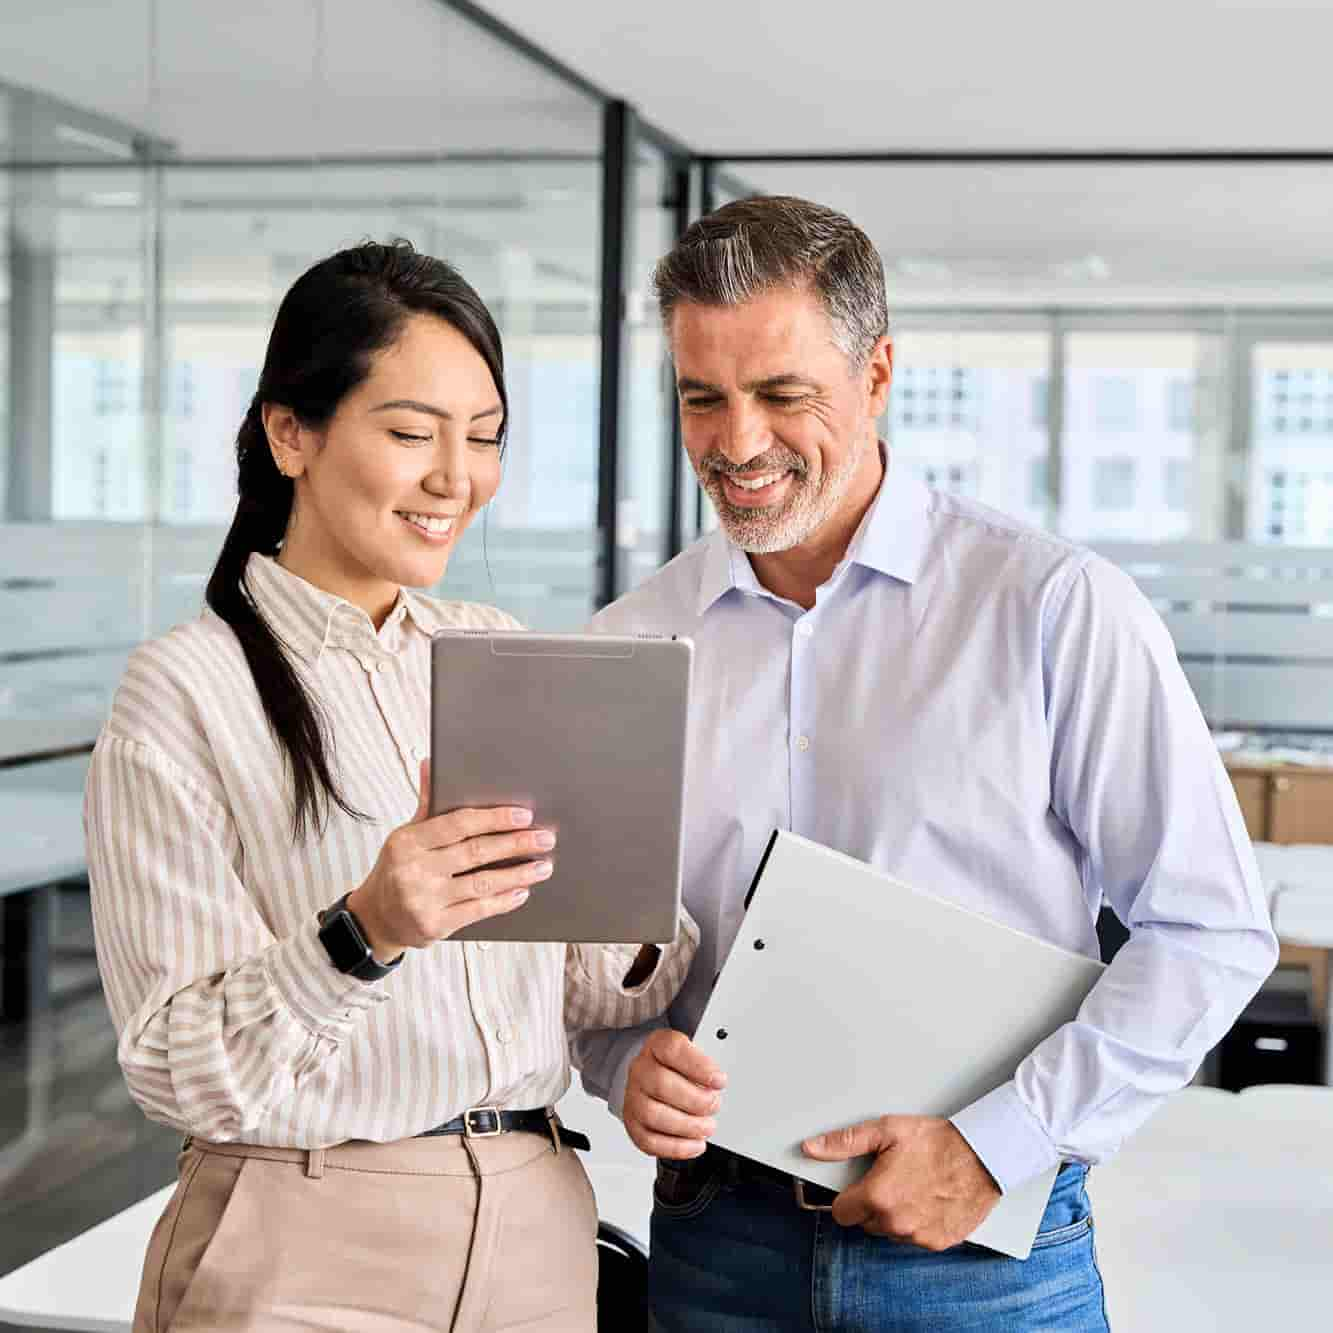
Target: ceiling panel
{"points": [[849, 75]]}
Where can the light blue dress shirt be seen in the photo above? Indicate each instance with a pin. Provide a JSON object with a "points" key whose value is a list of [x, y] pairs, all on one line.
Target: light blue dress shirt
{"points": [[997, 717]]}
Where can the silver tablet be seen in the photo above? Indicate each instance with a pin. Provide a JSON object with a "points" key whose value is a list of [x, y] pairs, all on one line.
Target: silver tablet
{"points": [[587, 731]]}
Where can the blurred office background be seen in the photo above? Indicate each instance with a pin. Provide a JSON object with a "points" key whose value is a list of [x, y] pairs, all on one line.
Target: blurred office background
{"points": [[1110, 280], [1123, 350]]}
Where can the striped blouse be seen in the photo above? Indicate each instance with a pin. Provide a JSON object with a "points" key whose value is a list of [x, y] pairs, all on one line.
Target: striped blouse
{"points": [[233, 1023]]}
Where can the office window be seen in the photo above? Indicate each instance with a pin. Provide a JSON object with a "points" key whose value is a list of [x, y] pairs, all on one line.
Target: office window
{"points": [[1178, 482], [110, 388], [161, 287], [960, 415], [1122, 387], [1039, 483], [648, 450], [935, 397], [524, 234], [181, 479], [956, 478], [1041, 406], [1291, 489], [1180, 405], [1113, 483], [1296, 402], [181, 391], [1115, 402]]}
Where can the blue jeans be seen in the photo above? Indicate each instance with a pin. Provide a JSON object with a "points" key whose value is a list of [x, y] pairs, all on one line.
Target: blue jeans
{"points": [[738, 1256]]}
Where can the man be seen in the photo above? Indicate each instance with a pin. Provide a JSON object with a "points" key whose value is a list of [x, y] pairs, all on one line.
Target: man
{"points": [[975, 706]]}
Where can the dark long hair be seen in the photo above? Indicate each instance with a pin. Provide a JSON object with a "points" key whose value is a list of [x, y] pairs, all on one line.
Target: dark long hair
{"points": [[329, 326]]}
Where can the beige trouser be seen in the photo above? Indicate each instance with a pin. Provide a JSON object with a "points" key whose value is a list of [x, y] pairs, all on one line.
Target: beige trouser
{"points": [[440, 1234]]}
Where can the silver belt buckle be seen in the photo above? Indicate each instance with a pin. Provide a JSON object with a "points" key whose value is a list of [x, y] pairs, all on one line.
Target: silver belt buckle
{"points": [[798, 1188], [473, 1133]]}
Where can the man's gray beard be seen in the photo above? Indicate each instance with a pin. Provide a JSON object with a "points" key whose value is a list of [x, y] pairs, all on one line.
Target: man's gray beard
{"points": [[764, 532]]}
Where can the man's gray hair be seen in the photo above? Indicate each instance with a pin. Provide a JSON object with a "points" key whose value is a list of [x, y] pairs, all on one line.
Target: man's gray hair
{"points": [[753, 245]]}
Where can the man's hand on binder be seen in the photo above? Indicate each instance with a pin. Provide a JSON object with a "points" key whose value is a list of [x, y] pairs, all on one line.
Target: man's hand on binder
{"points": [[671, 1094], [926, 1186]]}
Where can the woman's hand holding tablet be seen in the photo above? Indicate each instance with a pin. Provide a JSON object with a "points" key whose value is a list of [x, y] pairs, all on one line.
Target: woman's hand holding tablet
{"points": [[436, 874]]}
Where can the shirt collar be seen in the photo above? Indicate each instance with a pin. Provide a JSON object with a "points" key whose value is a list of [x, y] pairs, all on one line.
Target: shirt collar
{"points": [[891, 540], [893, 534], [308, 620]]}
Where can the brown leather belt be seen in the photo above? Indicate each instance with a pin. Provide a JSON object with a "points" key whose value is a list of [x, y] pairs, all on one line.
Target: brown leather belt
{"points": [[812, 1198]]}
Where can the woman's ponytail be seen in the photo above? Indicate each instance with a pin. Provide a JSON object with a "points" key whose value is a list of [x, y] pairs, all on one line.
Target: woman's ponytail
{"points": [[294, 717]]}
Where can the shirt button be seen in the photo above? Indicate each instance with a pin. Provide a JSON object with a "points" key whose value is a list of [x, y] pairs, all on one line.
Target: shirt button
{"points": [[483, 945], [504, 1035], [805, 629], [803, 742], [381, 667]]}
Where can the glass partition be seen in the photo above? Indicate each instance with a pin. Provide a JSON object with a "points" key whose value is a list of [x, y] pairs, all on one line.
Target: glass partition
{"points": [[1137, 356], [163, 197], [1140, 438], [522, 233], [968, 412], [1291, 414], [648, 444]]}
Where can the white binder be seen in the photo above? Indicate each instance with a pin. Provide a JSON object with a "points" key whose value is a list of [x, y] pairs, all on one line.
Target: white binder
{"points": [[850, 995]]}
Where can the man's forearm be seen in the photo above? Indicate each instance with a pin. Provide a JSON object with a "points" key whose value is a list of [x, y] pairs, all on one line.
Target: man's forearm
{"points": [[1141, 1035]]}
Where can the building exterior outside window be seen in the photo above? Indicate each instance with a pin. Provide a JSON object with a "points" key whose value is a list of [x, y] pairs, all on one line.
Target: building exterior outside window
{"points": [[1113, 481], [1115, 400]]}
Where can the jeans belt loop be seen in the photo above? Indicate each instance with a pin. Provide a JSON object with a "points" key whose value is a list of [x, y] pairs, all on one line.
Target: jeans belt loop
{"points": [[314, 1164], [798, 1188]]}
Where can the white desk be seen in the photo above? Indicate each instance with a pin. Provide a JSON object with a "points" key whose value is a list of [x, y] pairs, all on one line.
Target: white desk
{"points": [[1304, 915], [1218, 1214], [91, 1282], [1298, 878]]}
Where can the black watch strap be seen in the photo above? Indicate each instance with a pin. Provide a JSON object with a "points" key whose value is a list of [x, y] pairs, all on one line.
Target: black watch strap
{"points": [[346, 945]]}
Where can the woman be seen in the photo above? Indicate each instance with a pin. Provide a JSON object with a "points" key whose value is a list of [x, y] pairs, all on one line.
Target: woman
{"points": [[369, 1144]]}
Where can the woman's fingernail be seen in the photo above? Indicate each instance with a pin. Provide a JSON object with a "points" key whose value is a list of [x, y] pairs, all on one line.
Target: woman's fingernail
{"points": [[521, 896], [545, 840], [521, 818], [541, 869]]}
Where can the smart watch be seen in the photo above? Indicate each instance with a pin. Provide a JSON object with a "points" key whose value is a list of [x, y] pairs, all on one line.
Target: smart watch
{"points": [[345, 943]]}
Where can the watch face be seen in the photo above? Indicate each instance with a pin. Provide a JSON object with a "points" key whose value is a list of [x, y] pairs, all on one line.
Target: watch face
{"points": [[343, 941]]}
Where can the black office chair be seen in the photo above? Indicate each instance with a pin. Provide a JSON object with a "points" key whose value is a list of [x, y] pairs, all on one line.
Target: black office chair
{"points": [[622, 1282]]}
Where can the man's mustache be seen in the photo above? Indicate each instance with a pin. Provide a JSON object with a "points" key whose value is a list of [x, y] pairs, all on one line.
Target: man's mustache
{"points": [[773, 461]]}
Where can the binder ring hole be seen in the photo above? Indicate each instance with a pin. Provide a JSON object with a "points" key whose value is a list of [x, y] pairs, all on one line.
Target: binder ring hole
{"points": [[758, 944], [721, 1034]]}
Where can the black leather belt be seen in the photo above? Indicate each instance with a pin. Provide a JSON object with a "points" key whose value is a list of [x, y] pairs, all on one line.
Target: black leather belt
{"points": [[812, 1198], [485, 1122]]}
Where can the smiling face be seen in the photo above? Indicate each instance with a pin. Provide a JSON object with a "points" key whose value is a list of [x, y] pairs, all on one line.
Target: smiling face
{"points": [[779, 425], [384, 490]]}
